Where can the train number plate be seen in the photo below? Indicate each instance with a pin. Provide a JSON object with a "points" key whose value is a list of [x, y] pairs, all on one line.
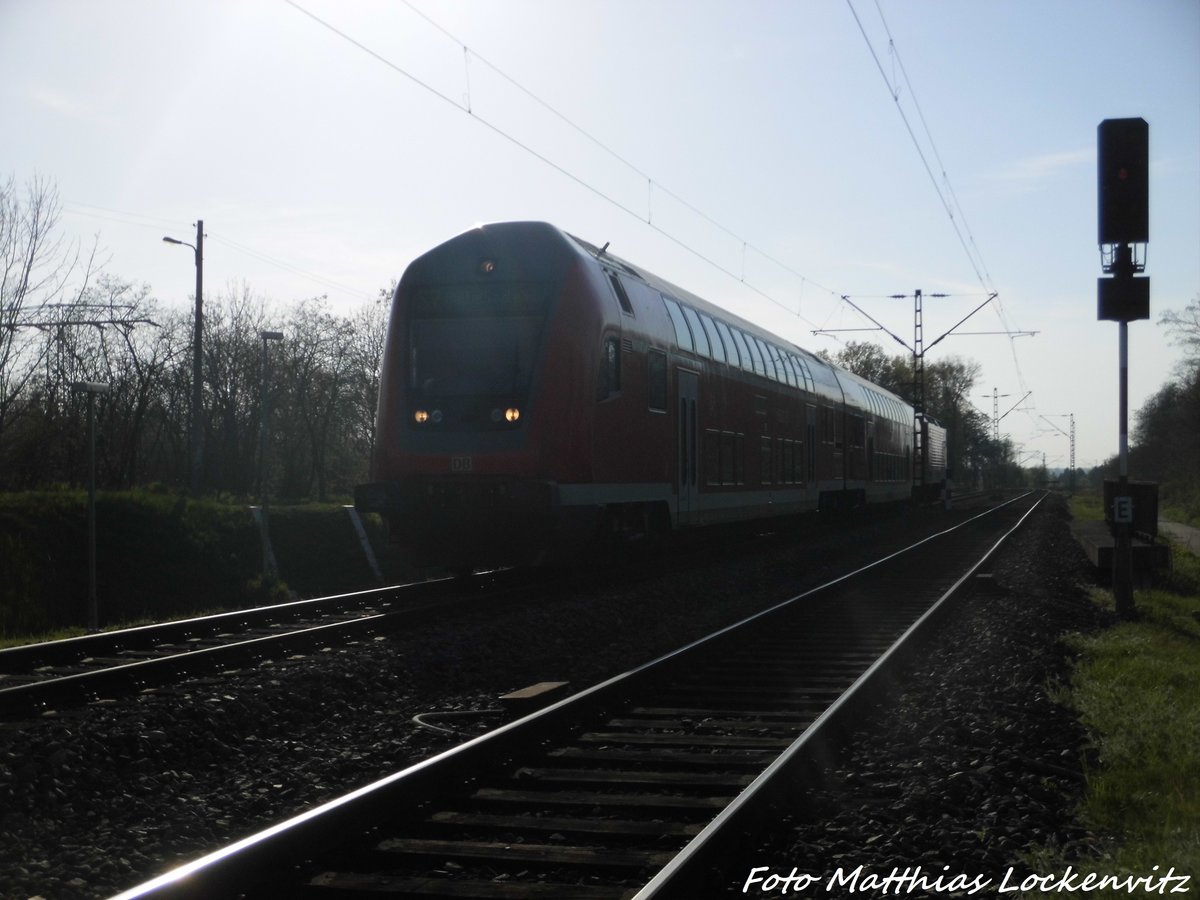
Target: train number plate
{"points": [[460, 464]]}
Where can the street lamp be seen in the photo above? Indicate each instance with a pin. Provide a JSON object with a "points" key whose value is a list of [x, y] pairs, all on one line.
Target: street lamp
{"points": [[194, 435], [263, 444], [91, 388]]}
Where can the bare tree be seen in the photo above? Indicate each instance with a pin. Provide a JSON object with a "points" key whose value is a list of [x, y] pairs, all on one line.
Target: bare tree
{"points": [[368, 335], [316, 364], [1184, 328], [40, 273], [231, 375]]}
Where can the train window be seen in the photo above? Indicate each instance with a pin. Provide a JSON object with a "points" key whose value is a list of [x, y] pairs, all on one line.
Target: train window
{"points": [[640, 294], [764, 460], [808, 379], [683, 336], [789, 368], [766, 355], [756, 356], [609, 382], [714, 339], [656, 380], [622, 296], [712, 456], [697, 331], [802, 372], [744, 349], [731, 348], [777, 358], [858, 431], [774, 363]]}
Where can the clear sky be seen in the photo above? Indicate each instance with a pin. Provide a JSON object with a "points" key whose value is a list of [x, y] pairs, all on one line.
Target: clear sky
{"points": [[751, 152]]}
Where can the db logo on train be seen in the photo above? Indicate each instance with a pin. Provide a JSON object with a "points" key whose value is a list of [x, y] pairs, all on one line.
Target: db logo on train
{"points": [[460, 464]]}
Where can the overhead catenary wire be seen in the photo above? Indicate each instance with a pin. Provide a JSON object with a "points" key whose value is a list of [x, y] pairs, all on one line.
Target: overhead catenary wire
{"points": [[142, 220], [467, 108], [948, 198]]}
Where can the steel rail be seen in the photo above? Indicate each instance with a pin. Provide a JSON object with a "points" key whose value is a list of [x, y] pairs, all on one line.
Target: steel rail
{"points": [[26, 656], [688, 873], [228, 870], [378, 605], [26, 697]]}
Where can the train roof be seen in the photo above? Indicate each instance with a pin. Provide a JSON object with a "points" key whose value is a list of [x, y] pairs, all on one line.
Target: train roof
{"points": [[661, 284]]}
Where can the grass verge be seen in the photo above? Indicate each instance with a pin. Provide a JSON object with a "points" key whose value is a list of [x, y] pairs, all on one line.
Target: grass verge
{"points": [[1134, 687]]}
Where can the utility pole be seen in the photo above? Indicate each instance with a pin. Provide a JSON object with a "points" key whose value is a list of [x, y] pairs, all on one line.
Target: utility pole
{"points": [[918, 390], [918, 350], [195, 432], [91, 388], [197, 436], [264, 443], [1123, 192], [1070, 437], [996, 395]]}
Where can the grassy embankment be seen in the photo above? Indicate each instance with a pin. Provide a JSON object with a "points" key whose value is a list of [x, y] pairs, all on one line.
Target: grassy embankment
{"points": [[1134, 687], [162, 556]]}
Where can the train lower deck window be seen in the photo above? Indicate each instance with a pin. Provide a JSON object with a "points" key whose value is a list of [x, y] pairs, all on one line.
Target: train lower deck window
{"points": [[724, 458]]}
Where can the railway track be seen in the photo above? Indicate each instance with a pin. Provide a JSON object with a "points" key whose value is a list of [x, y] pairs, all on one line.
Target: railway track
{"points": [[36, 677], [636, 787]]}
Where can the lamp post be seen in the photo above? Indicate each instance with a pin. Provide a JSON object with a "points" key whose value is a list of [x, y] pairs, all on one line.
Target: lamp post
{"points": [[195, 438], [91, 388], [263, 444]]}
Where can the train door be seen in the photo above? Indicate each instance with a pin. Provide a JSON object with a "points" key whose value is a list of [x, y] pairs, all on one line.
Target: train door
{"points": [[689, 446]]}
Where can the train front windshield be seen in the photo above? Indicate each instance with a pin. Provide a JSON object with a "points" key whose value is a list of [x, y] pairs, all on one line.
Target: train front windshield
{"points": [[473, 349]]}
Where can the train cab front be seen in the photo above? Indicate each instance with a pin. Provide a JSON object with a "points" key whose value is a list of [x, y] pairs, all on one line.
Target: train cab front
{"points": [[462, 422]]}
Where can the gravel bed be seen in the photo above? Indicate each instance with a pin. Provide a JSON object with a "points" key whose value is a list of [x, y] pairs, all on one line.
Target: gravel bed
{"points": [[971, 767], [95, 800]]}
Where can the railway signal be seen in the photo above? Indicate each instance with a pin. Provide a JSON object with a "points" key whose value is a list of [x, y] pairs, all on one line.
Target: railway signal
{"points": [[1123, 218]]}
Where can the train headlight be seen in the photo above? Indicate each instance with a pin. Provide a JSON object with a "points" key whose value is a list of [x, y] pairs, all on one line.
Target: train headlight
{"points": [[436, 416], [421, 416], [512, 414]]}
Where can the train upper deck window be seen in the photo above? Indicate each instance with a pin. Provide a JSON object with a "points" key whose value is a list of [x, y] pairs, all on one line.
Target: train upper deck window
{"points": [[714, 339], [733, 357], [744, 347], [765, 354], [807, 375], [683, 335], [697, 331], [789, 364]]}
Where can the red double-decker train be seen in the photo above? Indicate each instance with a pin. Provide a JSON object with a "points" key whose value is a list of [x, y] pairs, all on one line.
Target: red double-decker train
{"points": [[538, 392]]}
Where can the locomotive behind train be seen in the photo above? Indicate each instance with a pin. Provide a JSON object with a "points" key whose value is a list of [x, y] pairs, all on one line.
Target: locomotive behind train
{"points": [[538, 392]]}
